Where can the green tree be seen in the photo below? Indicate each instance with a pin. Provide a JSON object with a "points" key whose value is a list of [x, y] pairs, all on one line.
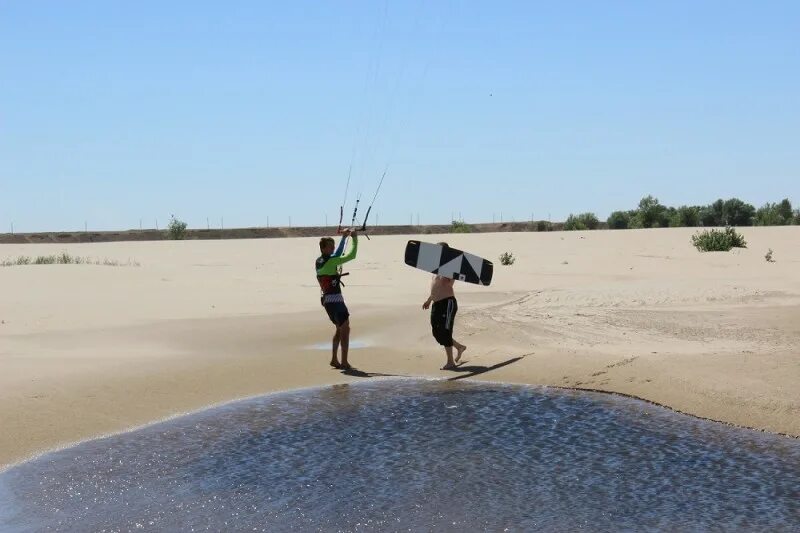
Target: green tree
{"points": [[574, 223], [685, 217], [459, 226], [176, 229], [635, 220], [737, 213], [652, 213], [589, 220], [707, 217], [785, 210], [714, 214], [619, 220], [773, 214]]}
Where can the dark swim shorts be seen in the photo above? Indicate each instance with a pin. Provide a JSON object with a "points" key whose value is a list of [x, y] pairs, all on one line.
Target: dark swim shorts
{"points": [[337, 312]]}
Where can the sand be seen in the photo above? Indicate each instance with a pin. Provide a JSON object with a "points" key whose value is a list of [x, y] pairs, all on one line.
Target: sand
{"points": [[87, 350]]}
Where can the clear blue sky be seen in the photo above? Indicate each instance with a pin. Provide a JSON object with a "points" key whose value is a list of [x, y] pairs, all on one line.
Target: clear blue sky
{"points": [[115, 111]]}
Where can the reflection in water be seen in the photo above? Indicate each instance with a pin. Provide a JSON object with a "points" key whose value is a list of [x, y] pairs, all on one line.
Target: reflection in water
{"points": [[401, 454]]}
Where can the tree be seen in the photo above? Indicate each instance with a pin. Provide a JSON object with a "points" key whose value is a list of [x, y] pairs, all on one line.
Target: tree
{"points": [[737, 213], [635, 219], [685, 217], [618, 220], [574, 223], [785, 210], [714, 214], [589, 220], [670, 216], [775, 214], [652, 213], [581, 222], [707, 217], [176, 229]]}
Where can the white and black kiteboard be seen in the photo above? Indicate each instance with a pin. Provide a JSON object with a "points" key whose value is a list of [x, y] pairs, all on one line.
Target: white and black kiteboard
{"points": [[449, 262]]}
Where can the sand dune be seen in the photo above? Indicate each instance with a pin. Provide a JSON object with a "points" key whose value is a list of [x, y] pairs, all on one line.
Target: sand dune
{"points": [[87, 349]]}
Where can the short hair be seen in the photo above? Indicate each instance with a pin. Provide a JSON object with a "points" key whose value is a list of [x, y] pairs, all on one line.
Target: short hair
{"points": [[323, 242]]}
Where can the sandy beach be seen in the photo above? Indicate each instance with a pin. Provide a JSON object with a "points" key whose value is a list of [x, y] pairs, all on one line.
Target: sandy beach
{"points": [[87, 350]]}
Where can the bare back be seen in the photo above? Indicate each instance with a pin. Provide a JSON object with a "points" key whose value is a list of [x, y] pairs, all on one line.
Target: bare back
{"points": [[441, 288]]}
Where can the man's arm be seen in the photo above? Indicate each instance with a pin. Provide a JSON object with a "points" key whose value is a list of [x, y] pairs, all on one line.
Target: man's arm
{"points": [[340, 260], [429, 301]]}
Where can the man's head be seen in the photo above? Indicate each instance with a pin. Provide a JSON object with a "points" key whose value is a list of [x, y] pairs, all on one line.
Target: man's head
{"points": [[443, 244], [326, 245]]}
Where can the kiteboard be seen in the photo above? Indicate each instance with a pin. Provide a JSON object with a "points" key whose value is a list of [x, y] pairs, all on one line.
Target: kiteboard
{"points": [[449, 263]]}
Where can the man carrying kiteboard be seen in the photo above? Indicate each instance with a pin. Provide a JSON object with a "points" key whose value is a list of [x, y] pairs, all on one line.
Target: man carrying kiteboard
{"points": [[329, 274], [443, 315]]}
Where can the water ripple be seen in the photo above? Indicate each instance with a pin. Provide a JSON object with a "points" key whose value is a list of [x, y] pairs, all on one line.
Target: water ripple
{"points": [[409, 455]]}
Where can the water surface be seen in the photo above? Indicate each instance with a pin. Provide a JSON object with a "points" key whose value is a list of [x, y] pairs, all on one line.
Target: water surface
{"points": [[416, 455]]}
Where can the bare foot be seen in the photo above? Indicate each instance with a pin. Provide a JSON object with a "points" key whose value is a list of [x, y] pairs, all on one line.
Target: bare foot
{"points": [[459, 352], [449, 366], [335, 364], [346, 366]]}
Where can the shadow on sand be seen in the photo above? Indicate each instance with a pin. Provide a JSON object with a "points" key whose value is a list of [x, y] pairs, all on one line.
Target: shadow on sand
{"points": [[469, 370], [361, 374], [475, 370]]}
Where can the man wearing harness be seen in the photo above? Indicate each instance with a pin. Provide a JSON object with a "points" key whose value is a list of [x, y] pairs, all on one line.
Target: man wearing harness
{"points": [[329, 274]]}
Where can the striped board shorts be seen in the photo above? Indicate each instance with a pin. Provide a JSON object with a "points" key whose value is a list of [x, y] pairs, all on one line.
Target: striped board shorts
{"points": [[443, 315]]}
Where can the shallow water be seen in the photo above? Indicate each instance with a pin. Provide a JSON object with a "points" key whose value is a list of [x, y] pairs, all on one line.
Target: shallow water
{"points": [[326, 346], [411, 455]]}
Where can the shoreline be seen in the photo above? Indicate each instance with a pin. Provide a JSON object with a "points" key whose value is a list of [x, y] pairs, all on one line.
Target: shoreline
{"points": [[94, 350], [65, 446]]}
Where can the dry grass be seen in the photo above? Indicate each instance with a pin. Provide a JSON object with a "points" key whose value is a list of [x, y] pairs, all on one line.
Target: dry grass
{"points": [[65, 259]]}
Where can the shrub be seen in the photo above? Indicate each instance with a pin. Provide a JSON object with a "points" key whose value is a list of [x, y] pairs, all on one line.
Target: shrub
{"points": [[574, 223], [176, 230], [619, 220], [544, 225], [45, 260], [768, 256], [62, 259], [718, 240], [507, 259], [797, 217], [581, 222], [459, 226]]}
